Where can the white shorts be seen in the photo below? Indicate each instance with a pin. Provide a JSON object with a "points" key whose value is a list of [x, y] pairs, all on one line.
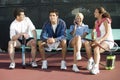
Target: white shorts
{"points": [[53, 46]]}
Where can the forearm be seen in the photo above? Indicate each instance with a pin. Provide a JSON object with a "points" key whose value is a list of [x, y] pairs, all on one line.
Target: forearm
{"points": [[15, 37], [34, 34], [60, 38], [93, 34], [84, 35], [74, 30]]}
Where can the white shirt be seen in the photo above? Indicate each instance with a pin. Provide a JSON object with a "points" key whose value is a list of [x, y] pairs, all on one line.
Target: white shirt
{"points": [[102, 30], [54, 27], [110, 36], [25, 26]]}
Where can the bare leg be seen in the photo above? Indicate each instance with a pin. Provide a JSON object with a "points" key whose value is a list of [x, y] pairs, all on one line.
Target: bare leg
{"points": [[32, 44], [63, 63], [11, 48], [76, 44], [64, 46], [96, 55], [88, 49], [41, 49], [98, 50]]}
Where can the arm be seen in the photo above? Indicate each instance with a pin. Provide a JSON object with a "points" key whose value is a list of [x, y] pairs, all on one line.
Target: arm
{"points": [[44, 35], [73, 28], [13, 35], [85, 32], [62, 32], [34, 34], [93, 32], [73, 31], [32, 28], [84, 35]]}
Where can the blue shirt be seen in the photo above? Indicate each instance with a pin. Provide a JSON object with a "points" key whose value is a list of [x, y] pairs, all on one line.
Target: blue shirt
{"points": [[80, 30], [60, 32]]}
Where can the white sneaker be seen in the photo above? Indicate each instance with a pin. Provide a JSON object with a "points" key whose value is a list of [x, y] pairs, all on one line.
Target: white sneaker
{"points": [[48, 49], [59, 49], [44, 64], [34, 64], [90, 64], [75, 68], [78, 56], [95, 70], [63, 65], [12, 65]]}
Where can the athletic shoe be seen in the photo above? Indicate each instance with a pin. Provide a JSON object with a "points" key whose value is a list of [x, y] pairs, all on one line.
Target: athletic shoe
{"points": [[63, 65], [44, 64], [34, 64], [48, 49], [95, 70], [12, 65], [90, 64], [75, 68], [78, 56]]}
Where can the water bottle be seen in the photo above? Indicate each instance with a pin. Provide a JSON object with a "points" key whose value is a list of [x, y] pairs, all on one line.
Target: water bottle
{"points": [[110, 62]]}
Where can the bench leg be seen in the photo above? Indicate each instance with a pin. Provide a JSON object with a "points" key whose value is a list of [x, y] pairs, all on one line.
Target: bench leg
{"points": [[23, 56]]}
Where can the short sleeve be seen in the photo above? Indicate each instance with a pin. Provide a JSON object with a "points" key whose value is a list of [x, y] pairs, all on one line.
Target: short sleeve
{"points": [[12, 30], [30, 24], [86, 29], [71, 28]]}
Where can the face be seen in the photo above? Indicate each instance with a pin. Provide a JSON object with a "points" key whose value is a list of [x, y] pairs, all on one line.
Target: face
{"points": [[21, 16], [53, 17], [79, 19], [96, 13]]}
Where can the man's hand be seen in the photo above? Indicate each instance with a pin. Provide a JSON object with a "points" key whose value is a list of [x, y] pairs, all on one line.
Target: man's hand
{"points": [[26, 35], [50, 40]]}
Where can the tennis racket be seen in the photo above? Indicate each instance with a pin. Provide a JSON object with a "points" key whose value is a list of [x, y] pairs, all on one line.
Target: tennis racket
{"points": [[23, 51], [113, 49]]}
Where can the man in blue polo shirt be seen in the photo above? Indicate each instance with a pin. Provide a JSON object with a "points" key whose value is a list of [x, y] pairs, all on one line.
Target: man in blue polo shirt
{"points": [[54, 37]]}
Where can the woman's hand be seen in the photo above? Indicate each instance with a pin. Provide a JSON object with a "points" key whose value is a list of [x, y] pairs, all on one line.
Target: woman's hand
{"points": [[95, 43]]}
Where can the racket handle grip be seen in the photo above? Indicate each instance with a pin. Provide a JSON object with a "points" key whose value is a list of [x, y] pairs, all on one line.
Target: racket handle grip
{"points": [[94, 36]]}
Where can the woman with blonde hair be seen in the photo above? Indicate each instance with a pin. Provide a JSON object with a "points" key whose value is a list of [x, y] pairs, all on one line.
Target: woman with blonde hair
{"points": [[79, 31]]}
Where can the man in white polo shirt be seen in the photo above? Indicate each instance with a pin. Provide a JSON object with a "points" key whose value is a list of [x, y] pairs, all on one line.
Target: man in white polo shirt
{"points": [[21, 26]]}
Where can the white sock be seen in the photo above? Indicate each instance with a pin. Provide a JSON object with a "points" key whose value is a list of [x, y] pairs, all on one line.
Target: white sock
{"points": [[74, 65], [96, 65], [91, 59]]}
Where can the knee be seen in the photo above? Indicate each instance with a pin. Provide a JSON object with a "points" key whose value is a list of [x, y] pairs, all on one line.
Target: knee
{"points": [[63, 43], [33, 43], [96, 49], [86, 43], [77, 38], [10, 43], [10, 47], [40, 43]]}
